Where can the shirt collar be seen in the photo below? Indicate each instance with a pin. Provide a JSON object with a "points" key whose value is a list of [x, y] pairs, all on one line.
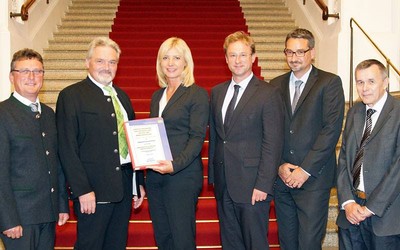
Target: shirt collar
{"points": [[304, 78], [379, 104], [101, 86], [25, 101], [243, 84]]}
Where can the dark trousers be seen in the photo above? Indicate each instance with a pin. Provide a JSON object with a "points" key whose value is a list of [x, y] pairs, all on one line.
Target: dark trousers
{"points": [[172, 204], [35, 237], [107, 228], [362, 237], [302, 217], [243, 226]]}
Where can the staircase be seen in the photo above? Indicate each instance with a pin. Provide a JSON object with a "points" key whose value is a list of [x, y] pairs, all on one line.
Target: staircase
{"points": [[64, 59], [204, 28], [269, 21]]}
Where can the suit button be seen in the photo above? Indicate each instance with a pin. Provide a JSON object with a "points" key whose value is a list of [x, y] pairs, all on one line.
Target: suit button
{"points": [[52, 190], [47, 152], [112, 114], [115, 133], [291, 151], [225, 142], [117, 168], [115, 151], [291, 132], [43, 134], [108, 99]]}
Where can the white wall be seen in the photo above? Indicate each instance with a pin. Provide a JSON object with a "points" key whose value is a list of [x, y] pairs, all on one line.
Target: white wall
{"points": [[33, 33], [380, 19], [4, 51]]}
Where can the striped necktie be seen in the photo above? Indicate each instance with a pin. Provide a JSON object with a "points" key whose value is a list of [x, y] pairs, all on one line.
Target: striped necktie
{"points": [[360, 153]]}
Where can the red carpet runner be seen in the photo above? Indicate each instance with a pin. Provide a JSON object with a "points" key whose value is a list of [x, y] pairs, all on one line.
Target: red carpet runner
{"points": [[140, 27]]}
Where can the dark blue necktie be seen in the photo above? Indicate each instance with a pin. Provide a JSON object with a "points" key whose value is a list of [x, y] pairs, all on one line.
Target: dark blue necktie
{"points": [[231, 108]]}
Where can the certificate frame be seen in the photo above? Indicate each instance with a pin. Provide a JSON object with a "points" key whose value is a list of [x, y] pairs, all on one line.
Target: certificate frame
{"points": [[147, 142]]}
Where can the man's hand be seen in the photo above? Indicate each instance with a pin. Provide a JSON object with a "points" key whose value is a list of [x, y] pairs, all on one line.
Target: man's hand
{"points": [[285, 170], [258, 196], [88, 203], [297, 178], [164, 167], [137, 202], [14, 233], [62, 218], [356, 213]]}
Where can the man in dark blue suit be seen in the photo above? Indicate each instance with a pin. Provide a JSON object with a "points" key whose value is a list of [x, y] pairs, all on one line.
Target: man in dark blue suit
{"points": [[32, 185], [369, 198], [94, 154], [246, 138], [314, 104]]}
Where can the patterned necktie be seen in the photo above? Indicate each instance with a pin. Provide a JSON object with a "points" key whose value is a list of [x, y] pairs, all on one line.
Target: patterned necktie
{"points": [[34, 107], [360, 153], [296, 96], [123, 146], [231, 107]]}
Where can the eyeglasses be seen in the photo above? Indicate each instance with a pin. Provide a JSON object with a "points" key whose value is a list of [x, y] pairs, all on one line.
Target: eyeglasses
{"points": [[26, 72], [299, 53]]}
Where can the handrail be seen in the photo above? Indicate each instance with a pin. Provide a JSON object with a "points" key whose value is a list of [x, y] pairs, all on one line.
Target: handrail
{"points": [[388, 62], [325, 10], [24, 10]]}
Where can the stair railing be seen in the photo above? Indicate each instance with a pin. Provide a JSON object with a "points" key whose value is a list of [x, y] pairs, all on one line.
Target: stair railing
{"points": [[389, 64], [24, 14], [325, 11]]}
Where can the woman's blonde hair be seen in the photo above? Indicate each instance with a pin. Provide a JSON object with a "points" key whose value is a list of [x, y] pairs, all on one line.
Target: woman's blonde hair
{"points": [[183, 49]]}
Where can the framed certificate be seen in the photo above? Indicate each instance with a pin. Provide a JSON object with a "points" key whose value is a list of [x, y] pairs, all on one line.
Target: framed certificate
{"points": [[147, 141]]}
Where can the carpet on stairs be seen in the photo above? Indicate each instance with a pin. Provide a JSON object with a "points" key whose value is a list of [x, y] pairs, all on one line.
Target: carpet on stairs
{"points": [[140, 26]]}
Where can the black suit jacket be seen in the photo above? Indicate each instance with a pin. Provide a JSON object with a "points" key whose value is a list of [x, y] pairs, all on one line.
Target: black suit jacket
{"points": [[32, 184], [381, 166], [88, 142], [312, 132], [246, 156], [185, 118]]}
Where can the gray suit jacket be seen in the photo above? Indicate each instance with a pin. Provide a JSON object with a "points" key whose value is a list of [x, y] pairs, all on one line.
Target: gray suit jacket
{"points": [[381, 166], [247, 155]]}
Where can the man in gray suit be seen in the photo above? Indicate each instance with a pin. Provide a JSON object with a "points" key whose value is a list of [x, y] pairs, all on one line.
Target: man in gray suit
{"points": [[314, 103], [369, 165], [246, 140], [32, 185]]}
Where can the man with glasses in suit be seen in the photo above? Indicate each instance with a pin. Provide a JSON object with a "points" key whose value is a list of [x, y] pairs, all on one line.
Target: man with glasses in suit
{"points": [[314, 107]]}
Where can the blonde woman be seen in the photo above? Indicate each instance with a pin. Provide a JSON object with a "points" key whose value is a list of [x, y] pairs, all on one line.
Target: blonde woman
{"points": [[174, 186]]}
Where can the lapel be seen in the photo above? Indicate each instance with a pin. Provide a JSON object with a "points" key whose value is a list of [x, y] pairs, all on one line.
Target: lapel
{"points": [[359, 122], [312, 79], [218, 107], [174, 98], [286, 94], [246, 97], [383, 117]]}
